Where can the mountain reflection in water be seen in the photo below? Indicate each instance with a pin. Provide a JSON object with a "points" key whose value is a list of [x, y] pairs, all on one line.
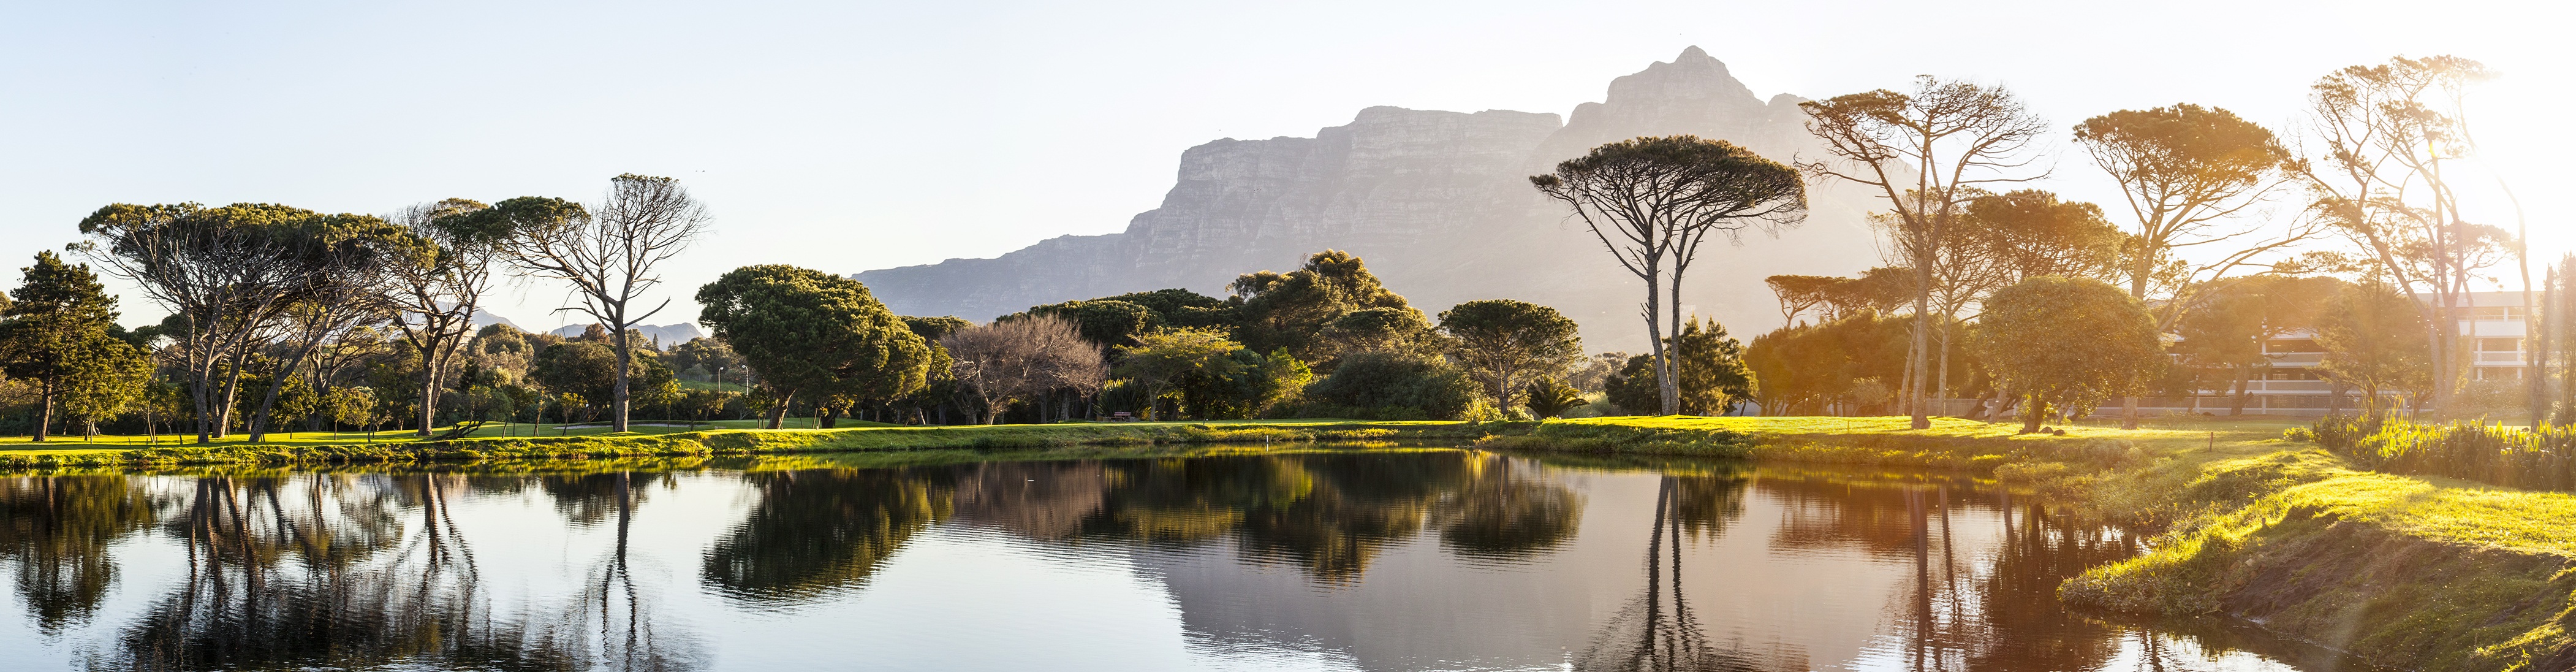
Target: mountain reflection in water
{"points": [[1371, 560]]}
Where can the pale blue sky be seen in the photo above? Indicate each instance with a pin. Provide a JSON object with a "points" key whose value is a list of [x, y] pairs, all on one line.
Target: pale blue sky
{"points": [[851, 136]]}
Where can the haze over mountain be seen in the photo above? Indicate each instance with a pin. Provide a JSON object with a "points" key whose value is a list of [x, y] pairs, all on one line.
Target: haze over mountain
{"points": [[1439, 205]]}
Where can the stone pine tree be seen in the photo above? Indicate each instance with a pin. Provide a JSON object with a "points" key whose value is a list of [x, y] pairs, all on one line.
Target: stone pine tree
{"points": [[807, 332], [1928, 152], [2187, 171], [2066, 343], [1652, 201], [1507, 344], [55, 337]]}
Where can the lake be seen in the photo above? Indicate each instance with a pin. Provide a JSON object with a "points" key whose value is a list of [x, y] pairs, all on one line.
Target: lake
{"points": [[1215, 559]]}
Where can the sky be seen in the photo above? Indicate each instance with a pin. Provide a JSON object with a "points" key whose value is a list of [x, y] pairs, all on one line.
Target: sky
{"points": [[851, 136]]}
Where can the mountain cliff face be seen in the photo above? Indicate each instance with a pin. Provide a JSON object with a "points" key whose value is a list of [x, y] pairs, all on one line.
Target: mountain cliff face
{"points": [[1440, 205]]}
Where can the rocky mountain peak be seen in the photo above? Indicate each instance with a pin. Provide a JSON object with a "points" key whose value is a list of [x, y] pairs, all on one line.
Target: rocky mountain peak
{"points": [[1693, 93]]}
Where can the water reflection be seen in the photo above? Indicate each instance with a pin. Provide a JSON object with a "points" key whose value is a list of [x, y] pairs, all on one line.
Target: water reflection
{"points": [[55, 532], [815, 532], [1379, 560], [318, 570]]}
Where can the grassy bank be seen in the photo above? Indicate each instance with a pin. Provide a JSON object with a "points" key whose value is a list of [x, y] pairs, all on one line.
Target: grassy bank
{"points": [[2414, 572]]}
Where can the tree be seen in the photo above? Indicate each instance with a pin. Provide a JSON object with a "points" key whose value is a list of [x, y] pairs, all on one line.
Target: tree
{"points": [[105, 377], [50, 333], [1713, 376], [2061, 343], [439, 273], [1505, 343], [2374, 338], [1387, 385], [589, 370], [707, 355], [812, 333], [1161, 362], [2027, 233], [608, 256], [1105, 322], [1549, 398], [2184, 169], [1926, 152], [2389, 134], [1809, 369], [2231, 325], [1024, 359], [1801, 293], [227, 276], [1661, 198], [1292, 310]]}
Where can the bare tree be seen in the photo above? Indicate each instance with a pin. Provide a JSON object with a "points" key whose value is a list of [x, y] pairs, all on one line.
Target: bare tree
{"points": [[1652, 202], [1021, 358], [1926, 152], [442, 267], [609, 255]]}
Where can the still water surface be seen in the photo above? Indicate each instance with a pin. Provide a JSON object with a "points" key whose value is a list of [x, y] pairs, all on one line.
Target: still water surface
{"points": [[1330, 560]]}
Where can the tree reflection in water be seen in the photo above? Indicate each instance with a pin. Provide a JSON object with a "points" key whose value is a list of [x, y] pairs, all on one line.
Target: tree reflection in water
{"points": [[624, 637], [319, 571], [55, 531], [816, 532], [1329, 514], [1658, 630]]}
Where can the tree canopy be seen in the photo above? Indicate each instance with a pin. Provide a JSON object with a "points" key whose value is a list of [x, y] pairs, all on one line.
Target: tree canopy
{"points": [[807, 332], [2067, 343]]}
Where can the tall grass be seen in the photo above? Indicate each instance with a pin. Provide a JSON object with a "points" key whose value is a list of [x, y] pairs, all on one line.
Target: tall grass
{"points": [[2533, 459]]}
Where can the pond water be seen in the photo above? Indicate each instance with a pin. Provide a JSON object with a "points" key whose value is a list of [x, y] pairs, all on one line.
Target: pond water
{"points": [[1217, 560]]}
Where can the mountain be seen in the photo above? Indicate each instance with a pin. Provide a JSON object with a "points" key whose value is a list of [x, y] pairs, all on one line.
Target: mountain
{"points": [[668, 334], [1440, 206], [484, 318]]}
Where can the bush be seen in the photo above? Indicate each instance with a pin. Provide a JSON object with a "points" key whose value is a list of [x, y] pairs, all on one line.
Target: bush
{"points": [[1395, 386]]}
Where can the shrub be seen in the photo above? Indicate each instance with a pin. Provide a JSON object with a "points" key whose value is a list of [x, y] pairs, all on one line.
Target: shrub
{"points": [[1393, 386]]}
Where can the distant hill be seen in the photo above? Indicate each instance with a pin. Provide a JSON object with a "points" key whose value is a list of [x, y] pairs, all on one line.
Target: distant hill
{"points": [[484, 318], [1440, 206], [668, 334]]}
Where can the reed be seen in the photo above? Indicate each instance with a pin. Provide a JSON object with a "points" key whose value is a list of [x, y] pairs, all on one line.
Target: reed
{"points": [[2542, 458]]}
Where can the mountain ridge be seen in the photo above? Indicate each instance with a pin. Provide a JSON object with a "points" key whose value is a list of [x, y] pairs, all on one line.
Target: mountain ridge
{"points": [[1437, 202]]}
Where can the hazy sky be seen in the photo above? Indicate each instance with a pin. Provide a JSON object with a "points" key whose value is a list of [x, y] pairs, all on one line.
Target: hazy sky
{"points": [[852, 136]]}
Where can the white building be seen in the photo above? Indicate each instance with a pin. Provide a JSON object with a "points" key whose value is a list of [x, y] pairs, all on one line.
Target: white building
{"points": [[2493, 330]]}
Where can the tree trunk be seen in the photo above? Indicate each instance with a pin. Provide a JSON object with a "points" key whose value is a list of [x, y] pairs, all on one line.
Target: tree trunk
{"points": [[1668, 378], [625, 360], [778, 412], [1668, 397], [1922, 343], [2032, 412], [2243, 375], [44, 412]]}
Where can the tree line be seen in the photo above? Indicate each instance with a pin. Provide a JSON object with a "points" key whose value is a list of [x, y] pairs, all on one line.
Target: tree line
{"points": [[1988, 284]]}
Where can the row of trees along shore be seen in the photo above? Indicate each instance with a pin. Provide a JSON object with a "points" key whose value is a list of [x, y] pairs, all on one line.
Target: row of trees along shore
{"points": [[280, 315], [2374, 176]]}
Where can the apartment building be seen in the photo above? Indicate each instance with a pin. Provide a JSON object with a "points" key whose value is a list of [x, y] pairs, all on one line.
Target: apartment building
{"points": [[2493, 329]]}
